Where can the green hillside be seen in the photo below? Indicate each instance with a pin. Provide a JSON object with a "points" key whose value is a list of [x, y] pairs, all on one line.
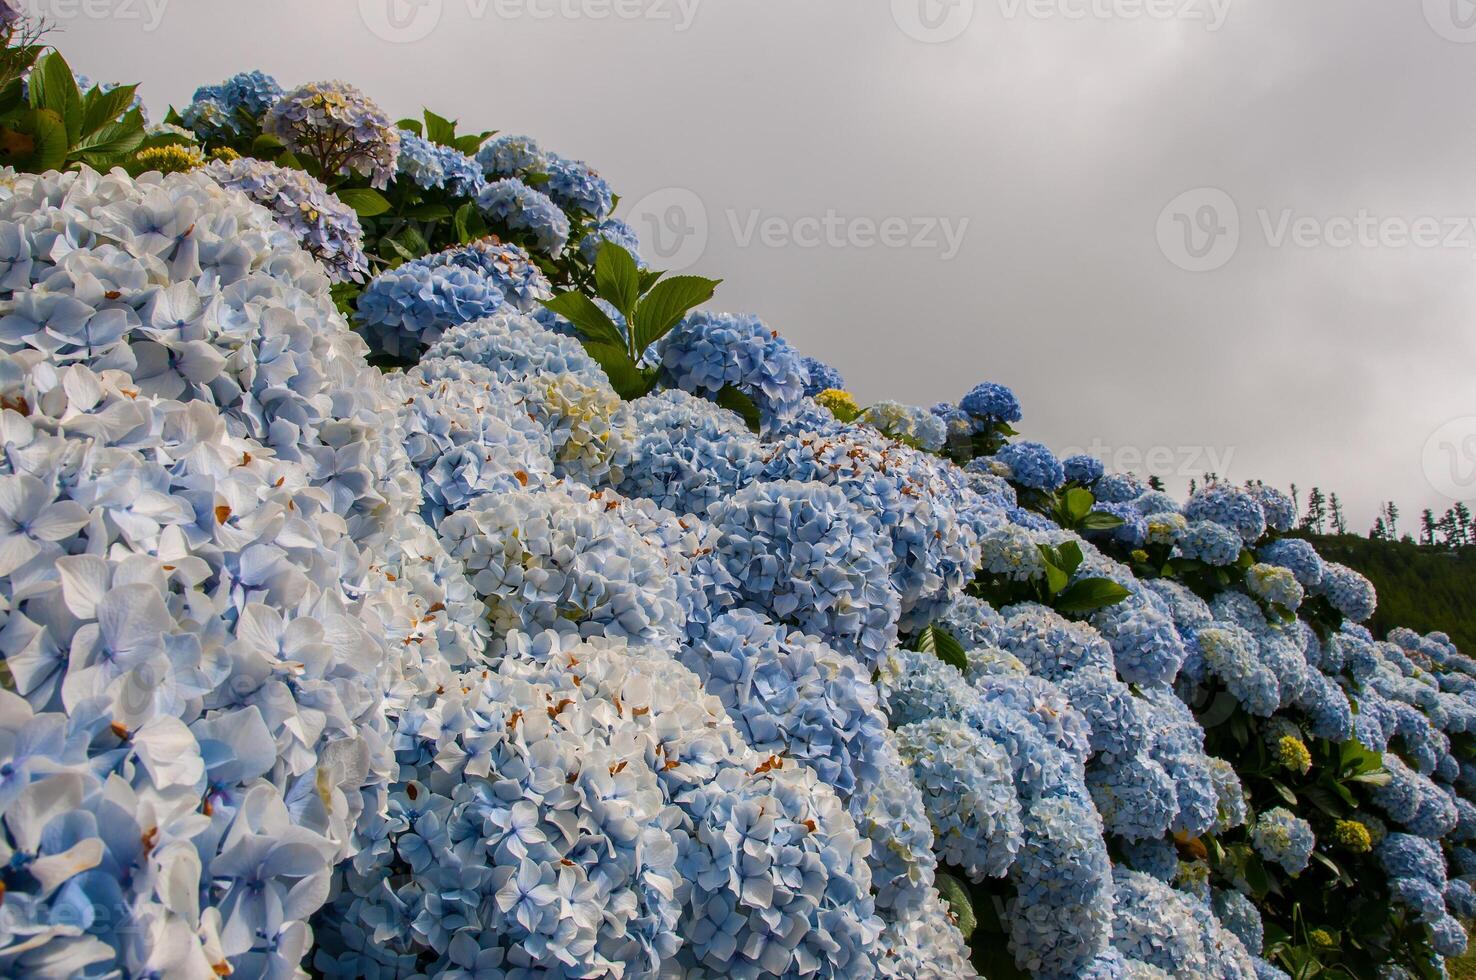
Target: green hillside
{"points": [[1423, 587]]}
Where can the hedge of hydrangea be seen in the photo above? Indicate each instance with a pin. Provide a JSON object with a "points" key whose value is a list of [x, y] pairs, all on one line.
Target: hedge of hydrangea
{"points": [[499, 663]]}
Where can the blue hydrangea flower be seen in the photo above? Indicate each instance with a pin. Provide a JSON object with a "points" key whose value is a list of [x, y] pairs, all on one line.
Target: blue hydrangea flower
{"points": [[216, 111], [577, 188], [1083, 469], [1282, 837], [708, 352], [1231, 507], [906, 423], [1032, 465], [823, 377], [321, 223], [526, 212], [991, 403], [1349, 592], [1297, 555], [1211, 543], [611, 230], [688, 453], [968, 790], [812, 559], [512, 156]]}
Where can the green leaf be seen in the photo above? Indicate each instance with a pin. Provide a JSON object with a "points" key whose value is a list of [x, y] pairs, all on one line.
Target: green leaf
{"points": [[266, 146], [1056, 579], [1284, 791], [439, 129], [367, 201], [114, 139], [468, 223], [617, 279], [413, 125], [649, 278], [34, 140], [588, 319], [471, 144], [413, 241], [1100, 521], [736, 401], [1070, 556], [100, 108], [665, 305], [1219, 710], [957, 896], [628, 379], [1079, 503], [1089, 594], [53, 87], [942, 644], [427, 212]]}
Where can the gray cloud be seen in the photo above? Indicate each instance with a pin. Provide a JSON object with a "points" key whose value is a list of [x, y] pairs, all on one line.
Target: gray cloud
{"points": [[1054, 141]]}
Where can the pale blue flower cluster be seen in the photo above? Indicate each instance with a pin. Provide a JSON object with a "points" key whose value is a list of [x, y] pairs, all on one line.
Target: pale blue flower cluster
{"points": [[1083, 469], [822, 377], [1350, 593], [406, 309], [321, 223], [687, 453], [1231, 507], [512, 156], [708, 352], [226, 109], [1285, 838], [576, 188], [615, 231], [527, 213], [906, 423], [431, 166], [1032, 465]]}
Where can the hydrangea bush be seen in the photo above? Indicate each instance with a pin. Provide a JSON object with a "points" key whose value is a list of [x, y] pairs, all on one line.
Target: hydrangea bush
{"points": [[517, 658]]}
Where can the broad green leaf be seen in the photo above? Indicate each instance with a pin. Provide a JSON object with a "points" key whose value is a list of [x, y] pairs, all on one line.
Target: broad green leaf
{"points": [[413, 241], [957, 896], [471, 144], [427, 212], [1070, 556], [1219, 710], [617, 280], [53, 87], [114, 139], [266, 146], [588, 319], [628, 380], [649, 277], [1284, 791], [468, 223], [367, 201], [439, 129], [1079, 503], [736, 401], [947, 648], [1056, 579], [46, 135], [1088, 595], [1100, 521], [411, 125], [100, 108], [665, 305]]}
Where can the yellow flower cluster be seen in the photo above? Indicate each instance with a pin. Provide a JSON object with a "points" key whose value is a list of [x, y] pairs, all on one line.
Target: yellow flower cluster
{"points": [[175, 158]]}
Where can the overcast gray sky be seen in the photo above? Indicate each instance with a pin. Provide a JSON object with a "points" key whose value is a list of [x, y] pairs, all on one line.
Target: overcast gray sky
{"points": [[1191, 234]]}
